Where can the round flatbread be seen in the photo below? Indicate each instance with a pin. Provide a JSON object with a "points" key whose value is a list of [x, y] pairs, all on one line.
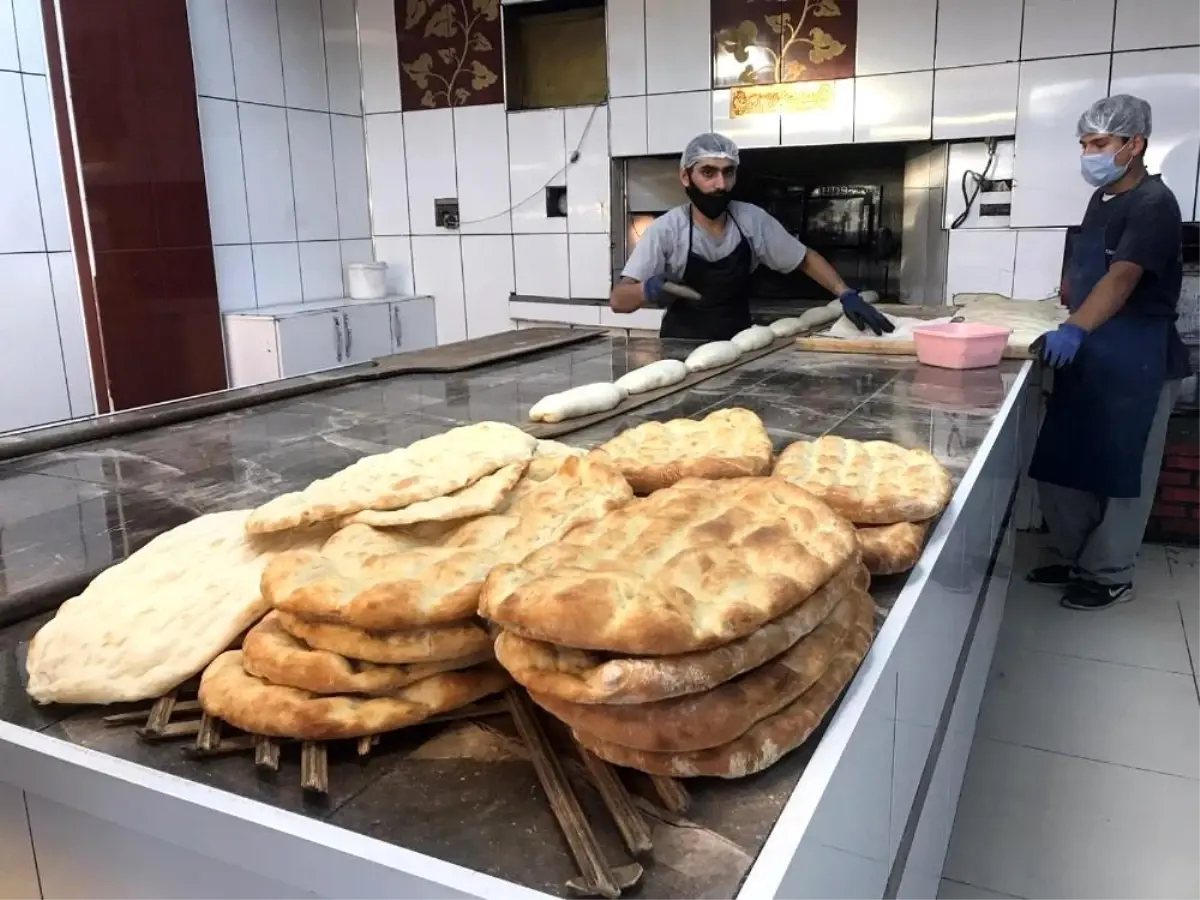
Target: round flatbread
{"points": [[892, 549], [416, 645]]}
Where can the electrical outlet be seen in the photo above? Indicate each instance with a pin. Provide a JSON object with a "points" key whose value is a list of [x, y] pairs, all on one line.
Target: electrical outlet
{"points": [[445, 213]]}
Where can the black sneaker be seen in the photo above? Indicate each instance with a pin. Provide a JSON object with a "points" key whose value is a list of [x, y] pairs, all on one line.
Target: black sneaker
{"points": [[1087, 595], [1056, 575]]}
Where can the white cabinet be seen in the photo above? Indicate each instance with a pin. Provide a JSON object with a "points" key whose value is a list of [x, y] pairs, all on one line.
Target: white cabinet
{"points": [[296, 339]]}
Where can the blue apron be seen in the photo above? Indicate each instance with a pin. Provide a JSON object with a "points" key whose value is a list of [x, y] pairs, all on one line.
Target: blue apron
{"points": [[1103, 403]]}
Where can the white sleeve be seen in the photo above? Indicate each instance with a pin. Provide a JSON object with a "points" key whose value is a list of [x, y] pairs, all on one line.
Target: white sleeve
{"points": [[649, 256]]}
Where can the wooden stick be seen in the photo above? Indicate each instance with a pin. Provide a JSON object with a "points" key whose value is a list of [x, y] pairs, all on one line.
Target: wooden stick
{"points": [[160, 713], [172, 732], [672, 794], [208, 735], [314, 768], [266, 753], [140, 715], [596, 877], [365, 744], [629, 821]]}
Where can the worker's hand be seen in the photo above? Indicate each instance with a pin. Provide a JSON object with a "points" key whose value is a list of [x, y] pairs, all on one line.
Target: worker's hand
{"points": [[652, 291], [1058, 347], [862, 315]]}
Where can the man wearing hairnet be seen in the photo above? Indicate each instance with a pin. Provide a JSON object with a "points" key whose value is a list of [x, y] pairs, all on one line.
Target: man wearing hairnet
{"points": [[1117, 362], [711, 244]]}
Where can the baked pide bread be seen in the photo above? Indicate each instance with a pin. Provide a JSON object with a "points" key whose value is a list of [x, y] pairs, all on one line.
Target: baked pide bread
{"points": [[424, 470], [723, 714], [583, 677], [868, 482], [414, 645], [160, 616], [484, 496], [728, 443], [271, 653], [693, 566], [254, 705], [891, 549], [767, 740], [377, 582]]}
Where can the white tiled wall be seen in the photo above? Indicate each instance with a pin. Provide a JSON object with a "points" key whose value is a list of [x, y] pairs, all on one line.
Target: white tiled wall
{"points": [[41, 313], [281, 125]]}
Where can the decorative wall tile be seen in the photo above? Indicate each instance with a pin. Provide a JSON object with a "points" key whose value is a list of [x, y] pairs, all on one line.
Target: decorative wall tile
{"points": [[450, 53], [783, 40]]}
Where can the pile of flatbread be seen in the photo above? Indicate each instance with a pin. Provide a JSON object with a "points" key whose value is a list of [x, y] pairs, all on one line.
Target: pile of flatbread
{"points": [[704, 630], [889, 492]]}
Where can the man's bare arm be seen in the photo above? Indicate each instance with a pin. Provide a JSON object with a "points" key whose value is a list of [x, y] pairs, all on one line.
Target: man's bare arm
{"points": [[817, 267], [626, 296], [1108, 296]]}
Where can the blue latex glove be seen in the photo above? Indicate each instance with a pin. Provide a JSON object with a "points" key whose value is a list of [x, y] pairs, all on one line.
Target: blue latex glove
{"points": [[862, 315], [1058, 347], [652, 290]]}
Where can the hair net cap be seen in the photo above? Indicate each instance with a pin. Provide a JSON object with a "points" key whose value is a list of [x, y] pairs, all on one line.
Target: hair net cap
{"points": [[708, 146], [1122, 114]]}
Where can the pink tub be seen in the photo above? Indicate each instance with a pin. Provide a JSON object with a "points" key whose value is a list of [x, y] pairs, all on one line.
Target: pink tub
{"points": [[960, 345]]}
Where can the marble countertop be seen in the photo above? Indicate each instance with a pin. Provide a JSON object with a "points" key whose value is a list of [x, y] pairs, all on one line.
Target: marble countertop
{"points": [[76, 509]]}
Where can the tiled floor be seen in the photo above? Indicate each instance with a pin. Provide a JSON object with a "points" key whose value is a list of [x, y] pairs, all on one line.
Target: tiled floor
{"points": [[1084, 778]]}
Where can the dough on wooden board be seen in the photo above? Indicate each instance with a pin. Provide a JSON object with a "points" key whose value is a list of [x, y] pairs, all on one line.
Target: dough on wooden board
{"points": [[584, 400], [657, 375], [693, 566], [414, 645], [868, 482], [728, 443], [370, 581], [273, 654], [428, 468], [768, 740], [786, 327], [484, 496], [579, 676], [718, 716], [153, 621], [756, 337], [712, 355], [231, 694], [892, 549]]}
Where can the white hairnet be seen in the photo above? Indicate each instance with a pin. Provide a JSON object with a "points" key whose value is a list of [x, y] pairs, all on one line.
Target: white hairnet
{"points": [[708, 146], [1122, 114]]}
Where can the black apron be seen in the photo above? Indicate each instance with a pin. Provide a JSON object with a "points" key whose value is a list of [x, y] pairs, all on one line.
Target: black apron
{"points": [[725, 287], [1103, 403]]}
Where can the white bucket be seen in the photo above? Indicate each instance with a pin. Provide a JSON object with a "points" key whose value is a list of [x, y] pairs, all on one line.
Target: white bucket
{"points": [[367, 281]]}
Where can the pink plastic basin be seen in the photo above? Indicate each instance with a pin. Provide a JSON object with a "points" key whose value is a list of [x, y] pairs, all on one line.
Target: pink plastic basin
{"points": [[961, 345]]}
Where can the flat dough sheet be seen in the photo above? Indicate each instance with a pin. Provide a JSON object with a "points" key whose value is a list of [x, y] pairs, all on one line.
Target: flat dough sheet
{"points": [[424, 470], [691, 567], [580, 676], [729, 443], [868, 482], [769, 739], [159, 617]]}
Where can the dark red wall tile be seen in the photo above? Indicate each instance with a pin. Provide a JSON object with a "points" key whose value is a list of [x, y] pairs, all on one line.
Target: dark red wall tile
{"points": [[774, 41], [819, 39], [450, 53]]}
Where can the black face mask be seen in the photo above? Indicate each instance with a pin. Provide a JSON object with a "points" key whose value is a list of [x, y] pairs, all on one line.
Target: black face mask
{"points": [[711, 206]]}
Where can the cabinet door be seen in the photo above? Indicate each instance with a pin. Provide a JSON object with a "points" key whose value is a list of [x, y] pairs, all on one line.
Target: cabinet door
{"points": [[367, 331], [310, 343], [414, 324]]}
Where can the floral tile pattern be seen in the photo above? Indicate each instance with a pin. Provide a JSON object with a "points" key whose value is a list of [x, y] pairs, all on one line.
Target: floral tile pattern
{"points": [[450, 53], [776, 41]]}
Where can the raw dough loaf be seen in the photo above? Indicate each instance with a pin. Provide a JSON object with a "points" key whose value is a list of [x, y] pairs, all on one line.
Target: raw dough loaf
{"points": [[484, 496], [786, 327], [712, 356], [657, 375], [577, 676], [728, 443], [417, 645], [428, 468], [361, 579], [716, 717], [868, 482], [159, 617], [694, 566], [768, 740], [271, 653], [891, 549], [756, 337], [253, 705], [578, 401]]}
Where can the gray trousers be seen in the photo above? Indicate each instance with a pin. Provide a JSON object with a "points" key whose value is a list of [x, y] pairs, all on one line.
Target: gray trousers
{"points": [[1101, 536]]}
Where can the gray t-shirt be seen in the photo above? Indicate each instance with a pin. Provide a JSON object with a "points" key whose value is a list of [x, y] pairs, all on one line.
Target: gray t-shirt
{"points": [[663, 247]]}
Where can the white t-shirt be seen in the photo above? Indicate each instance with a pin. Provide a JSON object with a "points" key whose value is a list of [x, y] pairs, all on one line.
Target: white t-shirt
{"points": [[663, 247]]}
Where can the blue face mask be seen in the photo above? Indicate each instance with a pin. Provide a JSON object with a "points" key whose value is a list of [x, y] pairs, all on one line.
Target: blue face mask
{"points": [[1100, 169]]}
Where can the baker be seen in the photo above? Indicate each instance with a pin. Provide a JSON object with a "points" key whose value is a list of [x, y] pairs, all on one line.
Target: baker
{"points": [[712, 244], [1117, 363]]}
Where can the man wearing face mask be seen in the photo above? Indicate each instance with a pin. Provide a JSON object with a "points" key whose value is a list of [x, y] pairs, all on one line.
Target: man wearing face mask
{"points": [[1117, 363], [711, 245]]}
